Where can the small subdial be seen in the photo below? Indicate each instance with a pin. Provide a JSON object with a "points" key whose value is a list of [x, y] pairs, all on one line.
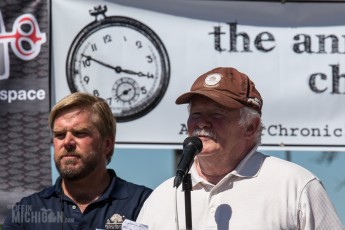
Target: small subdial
{"points": [[126, 90]]}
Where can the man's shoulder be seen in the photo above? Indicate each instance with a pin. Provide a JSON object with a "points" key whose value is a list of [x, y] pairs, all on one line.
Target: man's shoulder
{"points": [[165, 188], [282, 167], [129, 194], [40, 195], [132, 188]]}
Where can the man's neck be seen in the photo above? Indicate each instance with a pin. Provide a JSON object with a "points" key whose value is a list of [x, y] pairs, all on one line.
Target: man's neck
{"points": [[215, 167], [214, 175], [86, 190]]}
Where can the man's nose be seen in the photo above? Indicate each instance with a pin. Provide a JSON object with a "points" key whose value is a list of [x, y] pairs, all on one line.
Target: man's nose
{"points": [[69, 142], [203, 122]]}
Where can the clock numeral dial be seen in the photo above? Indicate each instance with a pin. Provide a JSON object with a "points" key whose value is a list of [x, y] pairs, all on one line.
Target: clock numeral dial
{"points": [[149, 59], [86, 62], [143, 90], [96, 93], [139, 45], [93, 47], [86, 79], [107, 38]]}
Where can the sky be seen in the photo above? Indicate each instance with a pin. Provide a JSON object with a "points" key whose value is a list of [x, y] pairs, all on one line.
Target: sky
{"points": [[150, 167]]}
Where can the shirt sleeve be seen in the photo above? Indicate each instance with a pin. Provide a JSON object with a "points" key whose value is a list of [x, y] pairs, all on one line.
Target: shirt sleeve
{"points": [[316, 211], [143, 212]]}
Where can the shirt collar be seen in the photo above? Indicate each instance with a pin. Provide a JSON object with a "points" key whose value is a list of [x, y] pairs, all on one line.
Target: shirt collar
{"points": [[248, 167], [116, 189], [195, 175]]}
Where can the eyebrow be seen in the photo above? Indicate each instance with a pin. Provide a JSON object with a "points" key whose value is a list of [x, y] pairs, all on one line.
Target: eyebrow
{"points": [[73, 129]]}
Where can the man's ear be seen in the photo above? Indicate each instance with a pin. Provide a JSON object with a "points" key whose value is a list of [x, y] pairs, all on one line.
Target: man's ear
{"points": [[109, 144], [253, 127]]}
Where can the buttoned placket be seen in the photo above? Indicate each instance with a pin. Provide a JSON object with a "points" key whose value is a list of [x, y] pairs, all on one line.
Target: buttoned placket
{"points": [[215, 200]]}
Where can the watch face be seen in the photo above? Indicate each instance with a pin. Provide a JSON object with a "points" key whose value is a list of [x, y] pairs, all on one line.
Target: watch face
{"points": [[121, 60]]}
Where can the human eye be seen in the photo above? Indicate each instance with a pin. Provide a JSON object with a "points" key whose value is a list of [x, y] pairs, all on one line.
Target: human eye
{"points": [[217, 112], [218, 115], [195, 114], [220, 111], [80, 134], [59, 135]]}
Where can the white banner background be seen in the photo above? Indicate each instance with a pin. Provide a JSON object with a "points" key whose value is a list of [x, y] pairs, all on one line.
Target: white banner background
{"points": [[281, 75]]}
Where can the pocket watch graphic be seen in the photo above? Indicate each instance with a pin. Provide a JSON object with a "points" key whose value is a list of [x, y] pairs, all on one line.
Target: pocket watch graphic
{"points": [[121, 60]]}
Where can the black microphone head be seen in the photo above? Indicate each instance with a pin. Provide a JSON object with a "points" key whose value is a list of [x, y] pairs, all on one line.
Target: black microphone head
{"points": [[193, 140], [191, 146]]}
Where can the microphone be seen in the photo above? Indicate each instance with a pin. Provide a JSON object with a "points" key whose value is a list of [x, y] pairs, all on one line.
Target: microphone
{"points": [[191, 147]]}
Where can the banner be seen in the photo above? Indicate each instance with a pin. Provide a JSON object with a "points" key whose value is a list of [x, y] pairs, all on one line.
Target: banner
{"points": [[141, 60], [25, 165]]}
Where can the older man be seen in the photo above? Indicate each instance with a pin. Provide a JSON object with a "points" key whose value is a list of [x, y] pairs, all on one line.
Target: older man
{"points": [[234, 186]]}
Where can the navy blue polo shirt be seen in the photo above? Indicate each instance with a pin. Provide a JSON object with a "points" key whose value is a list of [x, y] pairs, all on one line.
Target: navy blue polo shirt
{"points": [[50, 209]]}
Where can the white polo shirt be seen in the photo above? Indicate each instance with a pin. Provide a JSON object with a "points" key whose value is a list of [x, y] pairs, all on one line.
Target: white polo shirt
{"points": [[263, 192]]}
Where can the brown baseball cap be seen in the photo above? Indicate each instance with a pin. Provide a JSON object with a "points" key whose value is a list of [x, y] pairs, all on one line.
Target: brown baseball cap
{"points": [[226, 86]]}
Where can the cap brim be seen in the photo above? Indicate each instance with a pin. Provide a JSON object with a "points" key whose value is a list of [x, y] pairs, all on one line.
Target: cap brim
{"points": [[222, 99]]}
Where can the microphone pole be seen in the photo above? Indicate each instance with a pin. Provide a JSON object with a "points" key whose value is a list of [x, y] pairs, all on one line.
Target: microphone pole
{"points": [[191, 147], [187, 188]]}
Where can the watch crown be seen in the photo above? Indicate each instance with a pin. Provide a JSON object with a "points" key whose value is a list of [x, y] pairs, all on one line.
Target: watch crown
{"points": [[98, 10]]}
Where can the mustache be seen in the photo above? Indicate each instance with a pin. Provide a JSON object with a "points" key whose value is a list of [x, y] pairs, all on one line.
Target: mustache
{"points": [[69, 154], [204, 133]]}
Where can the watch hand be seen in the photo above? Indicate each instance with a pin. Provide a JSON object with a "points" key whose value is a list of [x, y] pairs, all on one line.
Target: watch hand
{"points": [[124, 92], [140, 74], [118, 69], [88, 57]]}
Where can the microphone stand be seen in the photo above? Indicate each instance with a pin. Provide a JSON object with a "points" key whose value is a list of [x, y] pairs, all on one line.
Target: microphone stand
{"points": [[187, 188]]}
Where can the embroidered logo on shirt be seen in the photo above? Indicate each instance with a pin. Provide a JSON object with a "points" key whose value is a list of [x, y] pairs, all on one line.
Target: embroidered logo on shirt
{"points": [[115, 222]]}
